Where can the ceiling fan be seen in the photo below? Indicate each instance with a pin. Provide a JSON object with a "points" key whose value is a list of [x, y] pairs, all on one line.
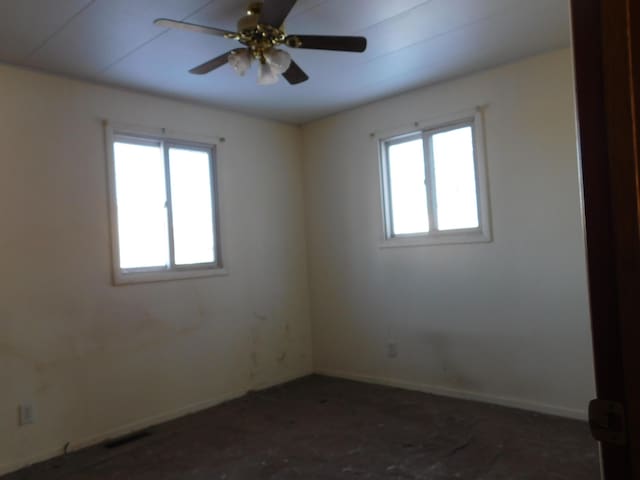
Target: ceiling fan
{"points": [[261, 32]]}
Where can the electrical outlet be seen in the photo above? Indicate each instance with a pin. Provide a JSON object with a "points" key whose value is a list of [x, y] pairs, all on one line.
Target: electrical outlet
{"points": [[392, 350], [27, 414]]}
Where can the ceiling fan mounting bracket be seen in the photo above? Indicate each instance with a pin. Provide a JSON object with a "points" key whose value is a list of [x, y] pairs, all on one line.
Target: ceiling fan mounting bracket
{"points": [[254, 8]]}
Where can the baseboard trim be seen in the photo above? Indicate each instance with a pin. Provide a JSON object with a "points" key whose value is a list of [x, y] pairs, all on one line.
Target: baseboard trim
{"points": [[147, 422], [518, 403]]}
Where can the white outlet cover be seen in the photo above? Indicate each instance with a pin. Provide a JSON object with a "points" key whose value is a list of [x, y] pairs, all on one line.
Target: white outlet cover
{"points": [[27, 414]]}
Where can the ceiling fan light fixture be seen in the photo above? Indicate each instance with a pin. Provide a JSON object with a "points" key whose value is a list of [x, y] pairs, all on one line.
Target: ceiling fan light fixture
{"points": [[240, 61], [279, 60], [266, 74]]}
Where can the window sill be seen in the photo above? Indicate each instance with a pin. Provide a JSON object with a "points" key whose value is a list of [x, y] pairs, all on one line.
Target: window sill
{"points": [[120, 278], [440, 238]]}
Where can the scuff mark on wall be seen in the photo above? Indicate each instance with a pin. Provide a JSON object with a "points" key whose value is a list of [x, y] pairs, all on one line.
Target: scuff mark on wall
{"points": [[272, 341]]}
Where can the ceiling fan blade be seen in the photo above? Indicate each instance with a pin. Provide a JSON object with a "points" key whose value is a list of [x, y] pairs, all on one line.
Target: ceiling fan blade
{"points": [[192, 27], [274, 12], [211, 65], [295, 74], [324, 42]]}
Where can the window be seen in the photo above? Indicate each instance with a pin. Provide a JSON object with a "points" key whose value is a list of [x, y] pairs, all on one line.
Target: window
{"points": [[434, 187], [163, 198]]}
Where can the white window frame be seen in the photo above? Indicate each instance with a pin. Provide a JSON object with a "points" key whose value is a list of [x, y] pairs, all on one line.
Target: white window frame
{"points": [[480, 234], [164, 140]]}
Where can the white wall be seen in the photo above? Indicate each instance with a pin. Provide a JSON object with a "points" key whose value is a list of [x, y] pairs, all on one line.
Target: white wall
{"points": [[96, 359], [506, 321]]}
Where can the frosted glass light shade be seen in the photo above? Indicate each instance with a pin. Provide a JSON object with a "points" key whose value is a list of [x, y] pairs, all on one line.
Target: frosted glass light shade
{"points": [[240, 61], [267, 75], [279, 60]]}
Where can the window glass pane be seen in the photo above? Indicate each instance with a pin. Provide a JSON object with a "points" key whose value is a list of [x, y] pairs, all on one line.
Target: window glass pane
{"points": [[141, 201], [407, 188], [191, 201], [455, 179]]}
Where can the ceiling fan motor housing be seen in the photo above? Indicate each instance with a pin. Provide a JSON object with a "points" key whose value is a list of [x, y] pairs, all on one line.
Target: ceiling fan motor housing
{"points": [[250, 21], [258, 37]]}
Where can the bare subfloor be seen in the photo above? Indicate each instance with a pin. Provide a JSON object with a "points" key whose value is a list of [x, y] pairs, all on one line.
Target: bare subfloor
{"points": [[322, 428]]}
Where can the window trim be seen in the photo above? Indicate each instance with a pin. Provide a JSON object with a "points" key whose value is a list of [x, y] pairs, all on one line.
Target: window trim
{"points": [[160, 138], [480, 234]]}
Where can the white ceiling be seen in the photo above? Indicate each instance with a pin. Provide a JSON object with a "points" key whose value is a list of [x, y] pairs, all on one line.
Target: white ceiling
{"points": [[411, 43]]}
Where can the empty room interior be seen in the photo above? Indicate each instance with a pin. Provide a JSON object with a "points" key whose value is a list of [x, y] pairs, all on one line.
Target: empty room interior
{"points": [[304, 239]]}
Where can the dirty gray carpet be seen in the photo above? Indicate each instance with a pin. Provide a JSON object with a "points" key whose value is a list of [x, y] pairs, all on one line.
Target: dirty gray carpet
{"points": [[323, 428]]}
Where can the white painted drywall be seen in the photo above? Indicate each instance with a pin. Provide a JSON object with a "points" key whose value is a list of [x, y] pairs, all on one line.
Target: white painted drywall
{"points": [[505, 321], [98, 360]]}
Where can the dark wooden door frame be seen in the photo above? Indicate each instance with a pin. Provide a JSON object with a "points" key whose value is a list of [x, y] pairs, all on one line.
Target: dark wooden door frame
{"points": [[607, 54]]}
